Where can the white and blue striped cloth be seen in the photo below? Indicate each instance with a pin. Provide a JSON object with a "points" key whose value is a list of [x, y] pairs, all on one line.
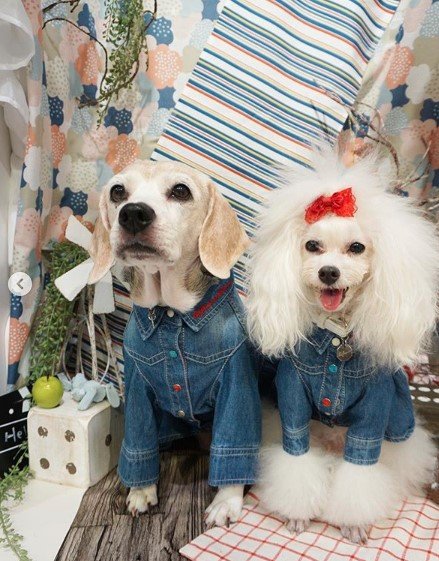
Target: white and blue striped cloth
{"points": [[258, 95]]}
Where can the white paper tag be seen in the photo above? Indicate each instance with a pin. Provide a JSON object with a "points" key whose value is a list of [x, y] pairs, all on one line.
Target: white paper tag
{"points": [[71, 283], [77, 233]]}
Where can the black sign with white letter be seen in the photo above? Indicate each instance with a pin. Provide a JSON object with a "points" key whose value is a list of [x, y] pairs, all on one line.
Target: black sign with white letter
{"points": [[14, 407]]}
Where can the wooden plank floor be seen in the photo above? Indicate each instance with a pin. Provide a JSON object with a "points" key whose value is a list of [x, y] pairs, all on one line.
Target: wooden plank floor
{"points": [[104, 531]]}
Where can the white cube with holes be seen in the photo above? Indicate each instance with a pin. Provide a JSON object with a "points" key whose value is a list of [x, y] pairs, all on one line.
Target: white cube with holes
{"points": [[74, 447]]}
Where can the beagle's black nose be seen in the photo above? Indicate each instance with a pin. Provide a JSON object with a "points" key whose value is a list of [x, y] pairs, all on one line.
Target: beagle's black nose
{"points": [[329, 275], [135, 217]]}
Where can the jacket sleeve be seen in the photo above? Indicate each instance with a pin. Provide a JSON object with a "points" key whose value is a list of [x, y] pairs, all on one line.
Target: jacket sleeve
{"points": [[369, 420], [139, 456], [402, 418], [295, 408], [236, 430]]}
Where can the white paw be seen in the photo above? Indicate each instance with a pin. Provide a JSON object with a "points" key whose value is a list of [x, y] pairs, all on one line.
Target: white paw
{"points": [[226, 507], [297, 526], [355, 534], [141, 498]]}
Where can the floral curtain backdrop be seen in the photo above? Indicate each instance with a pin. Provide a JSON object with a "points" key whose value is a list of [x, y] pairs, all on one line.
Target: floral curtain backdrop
{"points": [[68, 159], [400, 93]]}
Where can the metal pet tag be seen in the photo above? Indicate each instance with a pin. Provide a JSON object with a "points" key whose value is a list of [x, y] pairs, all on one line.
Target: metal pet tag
{"points": [[345, 352], [151, 316]]}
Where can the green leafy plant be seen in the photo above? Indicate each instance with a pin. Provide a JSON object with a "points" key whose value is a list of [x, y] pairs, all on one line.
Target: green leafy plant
{"points": [[55, 314], [125, 33], [125, 30], [49, 333], [11, 491]]}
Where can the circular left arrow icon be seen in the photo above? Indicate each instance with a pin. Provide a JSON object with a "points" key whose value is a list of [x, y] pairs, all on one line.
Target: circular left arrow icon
{"points": [[20, 284]]}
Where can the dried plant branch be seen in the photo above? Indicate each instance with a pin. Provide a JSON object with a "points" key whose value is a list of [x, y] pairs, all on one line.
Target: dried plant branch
{"points": [[126, 25], [356, 119], [73, 5]]}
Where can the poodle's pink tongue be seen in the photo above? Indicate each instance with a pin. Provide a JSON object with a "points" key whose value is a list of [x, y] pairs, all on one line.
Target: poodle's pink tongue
{"points": [[331, 298]]}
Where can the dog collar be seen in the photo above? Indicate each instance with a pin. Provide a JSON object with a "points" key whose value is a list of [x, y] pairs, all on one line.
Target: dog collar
{"points": [[337, 325]]}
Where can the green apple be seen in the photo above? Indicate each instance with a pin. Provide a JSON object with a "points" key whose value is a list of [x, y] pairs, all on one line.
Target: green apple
{"points": [[47, 392]]}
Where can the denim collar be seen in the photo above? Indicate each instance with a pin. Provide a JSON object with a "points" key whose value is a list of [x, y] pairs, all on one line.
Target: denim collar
{"points": [[320, 339], [195, 318]]}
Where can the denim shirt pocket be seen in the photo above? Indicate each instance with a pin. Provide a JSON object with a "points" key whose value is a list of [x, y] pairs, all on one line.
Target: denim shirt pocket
{"points": [[149, 360], [210, 358], [358, 367], [307, 360], [142, 350]]}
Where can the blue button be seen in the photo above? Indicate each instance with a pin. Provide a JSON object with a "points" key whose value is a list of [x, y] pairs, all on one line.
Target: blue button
{"points": [[332, 368], [173, 354]]}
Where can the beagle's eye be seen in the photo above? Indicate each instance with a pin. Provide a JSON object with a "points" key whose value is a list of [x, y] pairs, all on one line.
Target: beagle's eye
{"points": [[312, 246], [181, 192], [118, 193], [356, 247]]}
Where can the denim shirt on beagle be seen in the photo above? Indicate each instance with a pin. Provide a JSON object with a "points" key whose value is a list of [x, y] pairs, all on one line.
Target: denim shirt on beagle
{"points": [[184, 371], [374, 403]]}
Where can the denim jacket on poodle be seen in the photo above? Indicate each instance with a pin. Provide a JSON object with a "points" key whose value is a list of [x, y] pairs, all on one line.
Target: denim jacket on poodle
{"points": [[374, 403]]}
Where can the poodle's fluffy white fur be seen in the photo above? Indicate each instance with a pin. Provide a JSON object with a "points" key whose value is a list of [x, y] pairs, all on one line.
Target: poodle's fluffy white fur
{"points": [[392, 308], [396, 310], [321, 485]]}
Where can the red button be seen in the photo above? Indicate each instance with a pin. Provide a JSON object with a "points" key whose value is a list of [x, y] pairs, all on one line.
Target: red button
{"points": [[326, 401], [176, 387]]}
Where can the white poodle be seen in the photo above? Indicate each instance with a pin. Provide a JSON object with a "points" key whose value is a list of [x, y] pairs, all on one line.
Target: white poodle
{"points": [[343, 289]]}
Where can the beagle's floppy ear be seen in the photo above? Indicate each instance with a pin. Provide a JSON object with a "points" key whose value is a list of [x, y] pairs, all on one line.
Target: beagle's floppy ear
{"points": [[100, 248], [222, 240]]}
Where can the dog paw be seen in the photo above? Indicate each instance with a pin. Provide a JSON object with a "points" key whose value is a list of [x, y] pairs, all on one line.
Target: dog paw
{"points": [[297, 526], [355, 534], [226, 507], [140, 499]]}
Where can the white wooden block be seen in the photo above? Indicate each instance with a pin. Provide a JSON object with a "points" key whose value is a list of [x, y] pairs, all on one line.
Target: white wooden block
{"points": [[74, 447]]}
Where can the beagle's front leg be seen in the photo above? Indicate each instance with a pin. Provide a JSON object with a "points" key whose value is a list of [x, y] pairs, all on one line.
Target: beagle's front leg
{"points": [[226, 507], [141, 498]]}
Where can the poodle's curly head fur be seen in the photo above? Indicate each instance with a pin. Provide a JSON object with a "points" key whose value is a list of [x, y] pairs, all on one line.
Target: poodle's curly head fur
{"points": [[379, 268]]}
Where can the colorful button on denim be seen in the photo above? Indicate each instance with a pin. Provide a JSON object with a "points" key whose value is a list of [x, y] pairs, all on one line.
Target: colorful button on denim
{"points": [[332, 368], [173, 354]]}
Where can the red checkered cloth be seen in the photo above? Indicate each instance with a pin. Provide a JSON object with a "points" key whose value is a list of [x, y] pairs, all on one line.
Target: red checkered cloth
{"points": [[413, 535]]}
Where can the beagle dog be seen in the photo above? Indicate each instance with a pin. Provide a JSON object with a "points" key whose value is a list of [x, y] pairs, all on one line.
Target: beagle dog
{"points": [[188, 361]]}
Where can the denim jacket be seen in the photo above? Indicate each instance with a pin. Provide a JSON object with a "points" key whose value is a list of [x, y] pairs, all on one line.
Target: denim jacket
{"points": [[374, 403], [184, 371]]}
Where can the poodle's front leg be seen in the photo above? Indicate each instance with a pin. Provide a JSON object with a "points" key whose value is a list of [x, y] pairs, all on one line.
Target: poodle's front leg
{"points": [[296, 487], [226, 507], [359, 496]]}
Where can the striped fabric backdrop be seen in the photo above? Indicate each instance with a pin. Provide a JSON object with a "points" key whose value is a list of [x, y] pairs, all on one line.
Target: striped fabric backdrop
{"points": [[258, 95]]}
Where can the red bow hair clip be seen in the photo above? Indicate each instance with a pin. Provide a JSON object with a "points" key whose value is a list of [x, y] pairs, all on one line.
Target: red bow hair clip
{"points": [[341, 203]]}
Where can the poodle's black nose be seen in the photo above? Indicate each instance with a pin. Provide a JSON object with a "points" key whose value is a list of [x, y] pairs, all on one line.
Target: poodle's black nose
{"points": [[329, 275], [135, 217]]}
